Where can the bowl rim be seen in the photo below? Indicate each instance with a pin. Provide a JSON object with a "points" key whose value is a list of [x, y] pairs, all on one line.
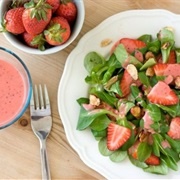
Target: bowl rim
{"points": [[29, 91], [55, 49]]}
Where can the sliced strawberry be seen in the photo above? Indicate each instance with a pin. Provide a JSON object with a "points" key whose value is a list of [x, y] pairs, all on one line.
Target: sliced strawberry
{"points": [[153, 160], [139, 55], [116, 136], [174, 131], [170, 71], [167, 69], [130, 44], [148, 121], [126, 81], [171, 59], [159, 69], [162, 94]]}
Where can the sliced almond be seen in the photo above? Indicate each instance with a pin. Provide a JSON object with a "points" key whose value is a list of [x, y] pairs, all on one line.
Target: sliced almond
{"points": [[132, 70], [94, 100], [106, 42], [149, 71]]}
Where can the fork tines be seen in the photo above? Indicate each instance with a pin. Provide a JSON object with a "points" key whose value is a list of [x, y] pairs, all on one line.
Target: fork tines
{"points": [[40, 98]]}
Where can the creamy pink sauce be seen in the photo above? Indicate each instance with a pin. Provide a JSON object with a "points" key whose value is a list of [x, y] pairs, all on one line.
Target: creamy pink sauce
{"points": [[12, 92]]}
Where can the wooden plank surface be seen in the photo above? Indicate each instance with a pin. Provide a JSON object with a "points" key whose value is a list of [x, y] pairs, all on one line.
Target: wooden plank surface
{"points": [[19, 149]]}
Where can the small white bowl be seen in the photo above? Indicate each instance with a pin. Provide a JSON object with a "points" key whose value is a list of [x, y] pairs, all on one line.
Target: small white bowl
{"points": [[22, 46]]}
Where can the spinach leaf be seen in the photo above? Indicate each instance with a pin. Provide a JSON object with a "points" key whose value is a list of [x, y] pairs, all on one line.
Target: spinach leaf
{"points": [[150, 62], [169, 162], [137, 162], [102, 145], [116, 88], [172, 110], [92, 59], [161, 169], [145, 38], [106, 97], [154, 46], [144, 151], [99, 134], [83, 101], [144, 79], [175, 144], [154, 112], [87, 117], [100, 123], [118, 156]]}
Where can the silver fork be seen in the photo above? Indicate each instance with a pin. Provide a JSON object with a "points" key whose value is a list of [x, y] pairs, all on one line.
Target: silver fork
{"points": [[41, 123]]}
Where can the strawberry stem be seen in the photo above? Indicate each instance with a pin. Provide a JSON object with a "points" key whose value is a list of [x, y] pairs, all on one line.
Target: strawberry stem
{"points": [[39, 4], [54, 31], [39, 9]]}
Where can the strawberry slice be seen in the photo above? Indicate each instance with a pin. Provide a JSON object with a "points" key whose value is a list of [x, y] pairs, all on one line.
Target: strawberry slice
{"points": [[126, 81], [171, 58], [167, 69], [130, 44], [116, 136], [139, 55], [159, 69], [174, 131], [162, 94], [148, 121], [153, 160]]}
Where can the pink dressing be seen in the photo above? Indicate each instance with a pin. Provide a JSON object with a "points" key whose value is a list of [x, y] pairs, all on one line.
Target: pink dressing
{"points": [[12, 92]]}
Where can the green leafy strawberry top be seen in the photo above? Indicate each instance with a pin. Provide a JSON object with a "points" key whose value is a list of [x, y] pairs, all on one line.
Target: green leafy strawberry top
{"points": [[38, 9], [133, 105]]}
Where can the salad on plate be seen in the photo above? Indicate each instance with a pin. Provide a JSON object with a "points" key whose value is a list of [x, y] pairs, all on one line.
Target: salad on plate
{"points": [[133, 105]]}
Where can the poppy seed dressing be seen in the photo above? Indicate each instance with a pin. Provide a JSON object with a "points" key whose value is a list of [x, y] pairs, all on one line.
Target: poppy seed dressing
{"points": [[12, 92]]}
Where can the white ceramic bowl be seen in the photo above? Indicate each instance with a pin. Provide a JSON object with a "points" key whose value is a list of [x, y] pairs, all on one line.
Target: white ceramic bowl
{"points": [[20, 45]]}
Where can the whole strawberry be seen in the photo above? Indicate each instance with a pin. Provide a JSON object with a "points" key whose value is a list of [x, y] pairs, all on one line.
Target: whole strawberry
{"points": [[36, 16], [68, 10], [54, 4], [35, 41], [58, 31], [13, 21]]}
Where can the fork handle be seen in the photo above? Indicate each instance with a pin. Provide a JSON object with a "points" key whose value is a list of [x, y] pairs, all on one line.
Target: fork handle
{"points": [[44, 161]]}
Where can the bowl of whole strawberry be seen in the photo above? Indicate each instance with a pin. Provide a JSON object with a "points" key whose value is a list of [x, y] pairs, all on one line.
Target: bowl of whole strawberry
{"points": [[41, 26]]}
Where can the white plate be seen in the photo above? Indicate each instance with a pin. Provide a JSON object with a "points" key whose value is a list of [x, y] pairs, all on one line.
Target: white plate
{"points": [[72, 86]]}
